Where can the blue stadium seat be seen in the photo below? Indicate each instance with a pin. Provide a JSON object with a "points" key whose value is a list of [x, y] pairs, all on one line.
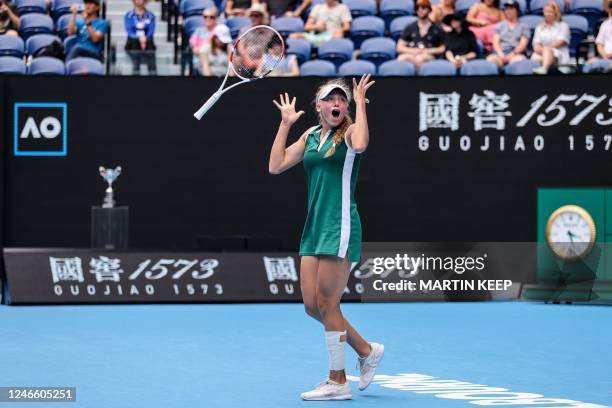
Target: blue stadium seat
{"points": [[235, 24], [377, 50], [397, 26], [396, 68], [523, 67], [357, 68], [391, 9], [190, 8], [69, 42], [62, 7], [537, 6], [61, 25], [592, 10], [317, 68], [437, 68], [479, 67], [360, 8], [47, 66], [602, 65], [11, 46], [31, 6], [288, 25], [32, 24], [579, 27], [463, 6], [191, 24], [38, 41], [531, 21], [299, 47], [336, 51], [12, 65], [84, 66], [366, 27]]}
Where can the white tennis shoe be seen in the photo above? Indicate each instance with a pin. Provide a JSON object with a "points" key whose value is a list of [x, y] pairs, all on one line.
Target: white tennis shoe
{"points": [[328, 390], [367, 365]]}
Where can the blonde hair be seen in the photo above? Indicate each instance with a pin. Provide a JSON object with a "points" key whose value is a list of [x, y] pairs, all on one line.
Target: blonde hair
{"points": [[555, 8], [340, 131]]}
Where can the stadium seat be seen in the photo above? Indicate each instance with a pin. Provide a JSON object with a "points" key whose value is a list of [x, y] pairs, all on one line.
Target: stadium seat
{"points": [[463, 6], [62, 7], [11, 46], [32, 24], [317, 68], [84, 66], [38, 41], [336, 51], [396, 68], [31, 6], [12, 65], [479, 67], [61, 25], [579, 27], [357, 68], [523, 67], [531, 21], [391, 9], [288, 25], [537, 6], [191, 24], [299, 47], [366, 27], [377, 50], [69, 42], [592, 10], [602, 65], [360, 8], [437, 68], [397, 26], [190, 8], [235, 24], [47, 66]]}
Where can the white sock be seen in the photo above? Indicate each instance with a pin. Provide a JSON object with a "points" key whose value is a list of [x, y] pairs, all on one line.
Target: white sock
{"points": [[335, 349]]}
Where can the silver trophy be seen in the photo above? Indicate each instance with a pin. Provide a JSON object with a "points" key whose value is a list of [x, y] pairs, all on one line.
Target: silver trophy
{"points": [[109, 175]]}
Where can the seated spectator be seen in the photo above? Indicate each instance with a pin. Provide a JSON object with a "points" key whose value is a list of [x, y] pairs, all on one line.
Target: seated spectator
{"points": [[258, 15], [326, 21], [297, 12], [604, 36], [441, 10], [200, 39], [483, 17], [215, 59], [239, 7], [140, 27], [551, 40], [90, 32], [460, 43], [288, 66], [9, 19], [511, 37], [422, 40]]}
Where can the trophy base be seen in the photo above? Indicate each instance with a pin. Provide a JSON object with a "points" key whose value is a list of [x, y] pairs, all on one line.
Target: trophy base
{"points": [[109, 227]]}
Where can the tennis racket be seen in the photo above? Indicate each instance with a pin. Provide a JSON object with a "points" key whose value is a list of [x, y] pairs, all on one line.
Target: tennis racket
{"points": [[253, 56]]}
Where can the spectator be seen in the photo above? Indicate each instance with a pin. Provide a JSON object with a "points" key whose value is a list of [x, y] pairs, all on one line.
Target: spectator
{"points": [[140, 28], [9, 20], [288, 66], [326, 21], [441, 10], [258, 15], [215, 59], [90, 32], [551, 39], [422, 40], [200, 39], [511, 37], [239, 7], [484, 16], [604, 36], [460, 43]]}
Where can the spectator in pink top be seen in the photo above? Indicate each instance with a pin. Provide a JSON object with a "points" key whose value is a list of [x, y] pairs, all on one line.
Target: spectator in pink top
{"points": [[483, 17]]}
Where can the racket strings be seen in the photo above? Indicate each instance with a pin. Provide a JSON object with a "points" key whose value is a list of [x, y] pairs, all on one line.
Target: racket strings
{"points": [[257, 52]]}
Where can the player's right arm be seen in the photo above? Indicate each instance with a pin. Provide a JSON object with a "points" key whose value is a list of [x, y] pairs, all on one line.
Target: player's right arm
{"points": [[281, 156]]}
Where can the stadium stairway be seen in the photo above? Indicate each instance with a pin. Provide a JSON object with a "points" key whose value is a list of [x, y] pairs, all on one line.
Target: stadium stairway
{"points": [[115, 13]]}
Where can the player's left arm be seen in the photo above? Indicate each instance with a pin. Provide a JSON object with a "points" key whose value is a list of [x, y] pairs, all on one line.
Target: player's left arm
{"points": [[358, 135]]}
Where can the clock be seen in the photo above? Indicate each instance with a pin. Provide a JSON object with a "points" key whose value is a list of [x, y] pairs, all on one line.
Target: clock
{"points": [[570, 232]]}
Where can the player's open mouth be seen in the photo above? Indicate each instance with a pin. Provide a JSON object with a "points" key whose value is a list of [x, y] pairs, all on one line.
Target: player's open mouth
{"points": [[335, 113]]}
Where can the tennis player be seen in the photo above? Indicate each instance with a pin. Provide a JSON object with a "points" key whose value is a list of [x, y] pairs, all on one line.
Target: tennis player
{"points": [[331, 238]]}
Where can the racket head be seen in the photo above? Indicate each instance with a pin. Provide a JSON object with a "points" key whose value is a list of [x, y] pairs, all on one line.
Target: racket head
{"points": [[257, 52]]}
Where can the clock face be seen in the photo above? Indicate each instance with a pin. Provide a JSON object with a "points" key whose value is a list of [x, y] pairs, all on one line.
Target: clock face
{"points": [[570, 232]]}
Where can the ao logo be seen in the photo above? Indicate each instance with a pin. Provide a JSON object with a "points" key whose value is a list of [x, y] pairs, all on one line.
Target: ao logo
{"points": [[50, 127]]}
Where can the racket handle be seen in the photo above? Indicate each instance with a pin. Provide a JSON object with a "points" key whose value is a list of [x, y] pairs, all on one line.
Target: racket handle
{"points": [[209, 103]]}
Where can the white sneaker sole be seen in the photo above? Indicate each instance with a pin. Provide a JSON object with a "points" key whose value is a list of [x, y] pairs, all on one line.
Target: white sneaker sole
{"points": [[380, 357], [334, 398]]}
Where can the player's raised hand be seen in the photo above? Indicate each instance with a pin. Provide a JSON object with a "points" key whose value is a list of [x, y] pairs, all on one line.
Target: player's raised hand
{"points": [[287, 109], [359, 89]]}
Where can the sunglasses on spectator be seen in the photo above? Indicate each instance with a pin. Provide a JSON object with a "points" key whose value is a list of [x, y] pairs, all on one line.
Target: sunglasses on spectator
{"points": [[256, 15], [211, 17], [422, 8]]}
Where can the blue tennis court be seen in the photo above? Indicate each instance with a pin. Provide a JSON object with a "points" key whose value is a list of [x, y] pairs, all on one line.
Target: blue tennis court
{"points": [[265, 355]]}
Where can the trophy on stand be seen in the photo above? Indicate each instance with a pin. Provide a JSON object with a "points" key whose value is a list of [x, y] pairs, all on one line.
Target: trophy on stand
{"points": [[109, 175]]}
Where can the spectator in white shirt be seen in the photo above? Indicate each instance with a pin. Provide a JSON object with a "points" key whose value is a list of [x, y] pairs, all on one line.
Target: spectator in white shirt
{"points": [[604, 36], [551, 40]]}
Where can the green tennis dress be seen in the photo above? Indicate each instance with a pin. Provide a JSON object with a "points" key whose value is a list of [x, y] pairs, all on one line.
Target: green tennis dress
{"points": [[332, 225]]}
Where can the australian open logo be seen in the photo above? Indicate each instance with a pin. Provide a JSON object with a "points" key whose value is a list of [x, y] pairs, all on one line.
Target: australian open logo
{"points": [[40, 129]]}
